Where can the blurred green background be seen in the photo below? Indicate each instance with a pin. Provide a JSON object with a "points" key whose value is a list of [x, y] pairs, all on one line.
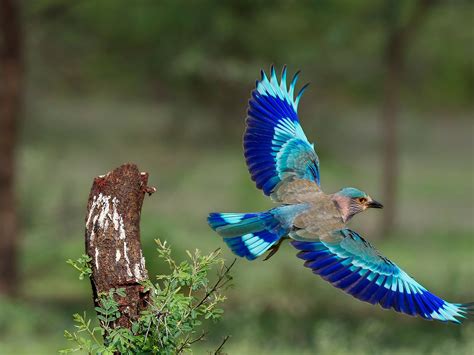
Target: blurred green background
{"points": [[165, 84]]}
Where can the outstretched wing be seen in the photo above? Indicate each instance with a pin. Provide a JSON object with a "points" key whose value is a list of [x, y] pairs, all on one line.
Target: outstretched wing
{"points": [[275, 145], [350, 263]]}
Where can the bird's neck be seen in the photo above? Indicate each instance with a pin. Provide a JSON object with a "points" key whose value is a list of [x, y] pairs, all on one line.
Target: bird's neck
{"points": [[343, 204]]}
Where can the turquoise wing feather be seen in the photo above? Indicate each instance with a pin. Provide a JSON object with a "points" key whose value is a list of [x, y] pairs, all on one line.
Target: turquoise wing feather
{"points": [[352, 264], [275, 145]]}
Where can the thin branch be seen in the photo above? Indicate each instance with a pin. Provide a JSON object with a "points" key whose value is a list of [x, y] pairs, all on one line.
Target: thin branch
{"points": [[183, 344], [199, 338], [216, 285], [218, 350], [188, 342]]}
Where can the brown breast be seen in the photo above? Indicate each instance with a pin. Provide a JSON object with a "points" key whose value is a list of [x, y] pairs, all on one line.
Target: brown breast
{"points": [[322, 218]]}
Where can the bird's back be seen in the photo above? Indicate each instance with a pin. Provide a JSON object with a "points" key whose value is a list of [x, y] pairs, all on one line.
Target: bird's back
{"points": [[320, 218]]}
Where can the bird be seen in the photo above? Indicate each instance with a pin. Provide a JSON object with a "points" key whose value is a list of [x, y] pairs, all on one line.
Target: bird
{"points": [[285, 166]]}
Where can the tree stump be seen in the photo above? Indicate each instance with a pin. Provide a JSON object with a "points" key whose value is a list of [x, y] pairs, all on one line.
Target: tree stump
{"points": [[113, 238]]}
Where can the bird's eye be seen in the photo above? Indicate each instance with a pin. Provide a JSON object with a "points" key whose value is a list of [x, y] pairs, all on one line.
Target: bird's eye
{"points": [[362, 200]]}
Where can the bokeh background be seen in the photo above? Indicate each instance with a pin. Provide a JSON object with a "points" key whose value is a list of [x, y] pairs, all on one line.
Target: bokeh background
{"points": [[165, 84]]}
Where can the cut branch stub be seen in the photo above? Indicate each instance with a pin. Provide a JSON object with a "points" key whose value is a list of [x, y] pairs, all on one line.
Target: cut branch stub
{"points": [[113, 238]]}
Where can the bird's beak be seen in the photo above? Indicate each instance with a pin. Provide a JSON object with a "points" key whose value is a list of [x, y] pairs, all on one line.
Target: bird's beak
{"points": [[374, 204]]}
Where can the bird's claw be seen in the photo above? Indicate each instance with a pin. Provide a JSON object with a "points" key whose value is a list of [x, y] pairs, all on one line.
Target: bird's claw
{"points": [[273, 249]]}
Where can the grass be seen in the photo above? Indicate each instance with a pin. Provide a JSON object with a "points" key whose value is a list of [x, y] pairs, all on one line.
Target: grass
{"points": [[276, 307]]}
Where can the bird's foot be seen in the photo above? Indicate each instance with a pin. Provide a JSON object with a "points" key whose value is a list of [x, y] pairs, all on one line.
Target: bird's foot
{"points": [[273, 249]]}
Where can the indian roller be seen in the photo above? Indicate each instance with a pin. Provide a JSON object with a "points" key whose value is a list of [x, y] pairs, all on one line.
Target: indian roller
{"points": [[283, 163]]}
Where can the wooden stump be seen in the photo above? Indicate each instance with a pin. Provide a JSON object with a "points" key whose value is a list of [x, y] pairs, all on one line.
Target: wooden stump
{"points": [[113, 238]]}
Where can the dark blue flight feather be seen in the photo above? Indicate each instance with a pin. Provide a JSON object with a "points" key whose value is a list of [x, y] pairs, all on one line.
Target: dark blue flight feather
{"points": [[353, 265], [275, 145]]}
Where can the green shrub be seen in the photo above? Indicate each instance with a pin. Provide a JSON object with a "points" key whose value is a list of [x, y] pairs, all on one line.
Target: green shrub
{"points": [[179, 303]]}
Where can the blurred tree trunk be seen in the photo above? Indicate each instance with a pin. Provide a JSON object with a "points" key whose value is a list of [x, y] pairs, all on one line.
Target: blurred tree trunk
{"points": [[398, 40], [11, 75]]}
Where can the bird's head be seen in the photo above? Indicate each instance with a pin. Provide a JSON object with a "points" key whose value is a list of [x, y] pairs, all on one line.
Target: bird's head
{"points": [[351, 201]]}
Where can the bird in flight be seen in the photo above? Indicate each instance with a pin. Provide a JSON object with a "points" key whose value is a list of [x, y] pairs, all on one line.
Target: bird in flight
{"points": [[283, 163]]}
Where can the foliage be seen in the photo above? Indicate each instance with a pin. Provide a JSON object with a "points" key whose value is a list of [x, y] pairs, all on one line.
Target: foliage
{"points": [[82, 264], [161, 47], [179, 303]]}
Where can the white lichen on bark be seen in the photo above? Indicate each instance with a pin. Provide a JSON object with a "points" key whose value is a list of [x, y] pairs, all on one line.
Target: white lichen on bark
{"points": [[125, 255], [102, 212], [117, 219], [137, 272], [97, 258], [139, 268]]}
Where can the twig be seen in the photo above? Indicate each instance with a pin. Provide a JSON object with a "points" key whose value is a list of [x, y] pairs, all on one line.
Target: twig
{"points": [[216, 285], [198, 338], [183, 344], [218, 350]]}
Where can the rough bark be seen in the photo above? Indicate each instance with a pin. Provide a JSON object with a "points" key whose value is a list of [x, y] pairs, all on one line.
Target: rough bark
{"points": [[113, 238], [11, 77], [399, 37]]}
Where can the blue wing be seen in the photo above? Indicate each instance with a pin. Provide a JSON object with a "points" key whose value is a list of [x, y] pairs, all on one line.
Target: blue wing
{"points": [[353, 265], [275, 145]]}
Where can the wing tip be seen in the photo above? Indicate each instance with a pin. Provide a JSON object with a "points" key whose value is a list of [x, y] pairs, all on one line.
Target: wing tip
{"points": [[466, 311], [277, 86]]}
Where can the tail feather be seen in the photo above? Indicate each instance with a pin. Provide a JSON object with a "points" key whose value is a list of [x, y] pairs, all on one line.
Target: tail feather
{"points": [[235, 224], [248, 235], [251, 245]]}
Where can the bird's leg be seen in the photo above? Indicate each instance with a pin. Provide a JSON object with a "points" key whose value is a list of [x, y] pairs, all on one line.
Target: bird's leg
{"points": [[274, 248]]}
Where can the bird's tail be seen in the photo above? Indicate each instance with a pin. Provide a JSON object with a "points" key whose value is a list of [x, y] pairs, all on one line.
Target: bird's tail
{"points": [[248, 234]]}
